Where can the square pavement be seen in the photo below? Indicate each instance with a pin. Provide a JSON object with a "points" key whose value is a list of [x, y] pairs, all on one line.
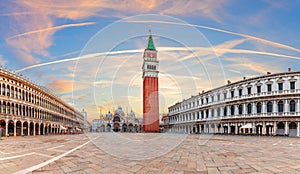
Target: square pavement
{"points": [[149, 153]]}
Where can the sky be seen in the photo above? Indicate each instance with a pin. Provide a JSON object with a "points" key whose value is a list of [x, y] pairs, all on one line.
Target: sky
{"points": [[89, 53]]}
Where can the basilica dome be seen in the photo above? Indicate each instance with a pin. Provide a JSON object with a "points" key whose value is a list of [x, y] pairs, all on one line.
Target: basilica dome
{"points": [[120, 112], [131, 114]]}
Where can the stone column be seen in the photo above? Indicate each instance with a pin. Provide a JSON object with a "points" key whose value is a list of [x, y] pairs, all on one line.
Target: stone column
{"points": [[263, 108], [236, 129], [6, 127], [264, 128], [298, 129], [253, 128], [22, 129], [228, 129], [222, 129], [298, 105], [28, 129], [39, 131], [286, 130], [286, 106], [274, 128], [216, 128], [15, 128]]}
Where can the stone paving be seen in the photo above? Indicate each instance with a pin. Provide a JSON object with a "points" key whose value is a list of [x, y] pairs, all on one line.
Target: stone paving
{"points": [[176, 153]]}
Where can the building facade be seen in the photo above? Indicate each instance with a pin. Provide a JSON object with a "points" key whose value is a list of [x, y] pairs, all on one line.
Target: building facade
{"points": [[27, 109], [265, 105], [117, 122], [150, 88]]}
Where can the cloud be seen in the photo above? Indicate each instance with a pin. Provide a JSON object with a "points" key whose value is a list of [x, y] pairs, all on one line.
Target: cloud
{"points": [[64, 86], [51, 29], [2, 61], [249, 37]]}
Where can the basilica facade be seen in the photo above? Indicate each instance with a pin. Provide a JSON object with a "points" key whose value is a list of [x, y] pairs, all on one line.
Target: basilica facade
{"points": [[117, 122], [264, 105]]}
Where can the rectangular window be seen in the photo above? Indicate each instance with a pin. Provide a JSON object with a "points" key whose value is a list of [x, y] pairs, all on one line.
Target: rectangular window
{"points": [[258, 89], [240, 92], [280, 86], [249, 90], [232, 94], [225, 95], [207, 100], [202, 101], [218, 97], [292, 85], [269, 87]]}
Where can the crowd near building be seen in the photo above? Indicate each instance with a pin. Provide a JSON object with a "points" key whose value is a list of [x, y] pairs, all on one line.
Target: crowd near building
{"points": [[264, 105], [117, 122], [28, 109]]}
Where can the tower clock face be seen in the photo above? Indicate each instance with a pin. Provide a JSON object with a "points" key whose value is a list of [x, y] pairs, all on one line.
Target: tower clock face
{"points": [[151, 55]]}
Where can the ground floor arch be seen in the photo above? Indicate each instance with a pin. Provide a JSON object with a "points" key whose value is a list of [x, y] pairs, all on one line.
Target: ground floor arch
{"points": [[292, 129]]}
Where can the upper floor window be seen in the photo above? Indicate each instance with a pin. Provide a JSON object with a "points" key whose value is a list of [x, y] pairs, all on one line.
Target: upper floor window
{"points": [[292, 85], [232, 110], [258, 89], [240, 92], [206, 99], [232, 94], [218, 96], [280, 86], [202, 101], [225, 111], [212, 98], [240, 109], [269, 86], [258, 107], [249, 108], [225, 95], [269, 107], [280, 106], [292, 106], [249, 90]]}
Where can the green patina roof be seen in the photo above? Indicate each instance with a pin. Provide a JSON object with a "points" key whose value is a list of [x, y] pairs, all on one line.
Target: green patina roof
{"points": [[150, 42]]}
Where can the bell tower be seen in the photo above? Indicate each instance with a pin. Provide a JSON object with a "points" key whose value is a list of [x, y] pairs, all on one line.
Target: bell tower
{"points": [[150, 88]]}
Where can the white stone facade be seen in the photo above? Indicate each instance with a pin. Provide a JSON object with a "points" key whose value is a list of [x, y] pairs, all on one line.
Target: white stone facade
{"points": [[268, 105]]}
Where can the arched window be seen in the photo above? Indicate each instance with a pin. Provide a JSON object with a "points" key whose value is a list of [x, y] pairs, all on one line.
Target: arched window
{"points": [[258, 107], [249, 108], [232, 110], [225, 111], [280, 106], [240, 109], [292, 106], [4, 108], [269, 107]]}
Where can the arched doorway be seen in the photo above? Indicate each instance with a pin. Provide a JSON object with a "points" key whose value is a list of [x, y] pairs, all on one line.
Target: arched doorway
{"points": [[2, 127], [25, 128], [31, 125], [116, 127], [292, 129], [42, 129], [259, 129], [280, 128], [18, 128], [130, 127], [124, 127], [10, 128], [37, 128]]}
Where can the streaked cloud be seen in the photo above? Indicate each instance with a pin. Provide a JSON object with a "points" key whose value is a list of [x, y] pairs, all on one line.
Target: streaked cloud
{"points": [[51, 29]]}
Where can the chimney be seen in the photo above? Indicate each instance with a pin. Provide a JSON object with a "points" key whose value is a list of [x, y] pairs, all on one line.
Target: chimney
{"points": [[228, 82], [289, 69], [268, 72]]}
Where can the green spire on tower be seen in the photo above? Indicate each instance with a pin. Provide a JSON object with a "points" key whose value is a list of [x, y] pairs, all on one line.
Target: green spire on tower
{"points": [[150, 41]]}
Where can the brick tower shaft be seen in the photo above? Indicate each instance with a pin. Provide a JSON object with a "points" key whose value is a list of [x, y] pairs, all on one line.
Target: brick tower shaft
{"points": [[150, 88]]}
